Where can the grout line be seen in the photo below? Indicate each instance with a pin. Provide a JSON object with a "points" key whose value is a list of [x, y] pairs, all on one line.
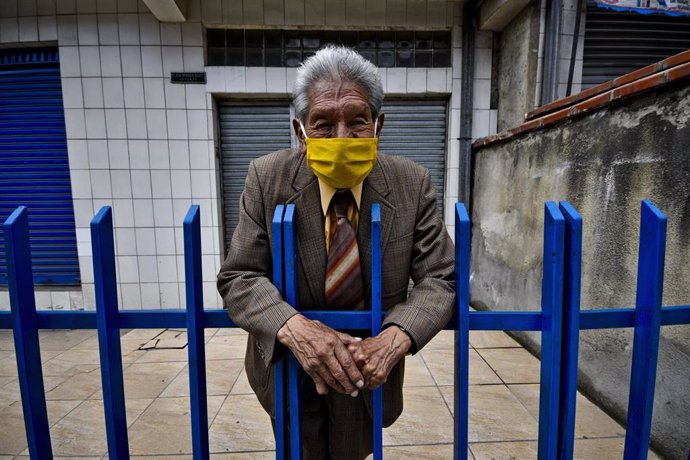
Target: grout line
{"points": [[490, 367]]}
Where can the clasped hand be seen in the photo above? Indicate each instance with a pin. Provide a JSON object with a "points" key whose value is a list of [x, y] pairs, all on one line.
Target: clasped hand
{"points": [[342, 362]]}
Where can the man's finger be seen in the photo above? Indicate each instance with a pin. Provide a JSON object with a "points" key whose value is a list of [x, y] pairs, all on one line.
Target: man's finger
{"points": [[326, 376], [348, 364], [321, 387], [347, 339], [339, 373]]}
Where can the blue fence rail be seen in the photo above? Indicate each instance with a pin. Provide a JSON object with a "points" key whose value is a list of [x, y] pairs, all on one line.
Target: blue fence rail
{"points": [[559, 321]]}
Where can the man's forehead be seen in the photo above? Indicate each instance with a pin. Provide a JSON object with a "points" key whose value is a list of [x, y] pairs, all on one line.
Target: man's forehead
{"points": [[329, 91]]}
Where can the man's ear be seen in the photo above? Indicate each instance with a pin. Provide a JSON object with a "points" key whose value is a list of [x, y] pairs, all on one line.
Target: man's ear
{"points": [[300, 136], [379, 125]]}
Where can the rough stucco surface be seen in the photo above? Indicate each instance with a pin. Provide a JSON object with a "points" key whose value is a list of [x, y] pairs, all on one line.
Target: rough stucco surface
{"points": [[517, 70], [604, 164]]}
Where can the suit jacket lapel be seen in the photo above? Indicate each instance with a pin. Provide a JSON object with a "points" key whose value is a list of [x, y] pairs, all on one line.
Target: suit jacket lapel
{"points": [[311, 238], [375, 190]]}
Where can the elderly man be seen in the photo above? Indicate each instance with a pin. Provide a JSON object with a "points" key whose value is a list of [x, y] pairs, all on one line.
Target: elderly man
{"points": [[333, 179]]}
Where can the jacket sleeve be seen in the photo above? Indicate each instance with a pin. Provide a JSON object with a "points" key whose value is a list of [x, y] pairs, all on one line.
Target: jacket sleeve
{"points": [[430, 304], [244, 281]]}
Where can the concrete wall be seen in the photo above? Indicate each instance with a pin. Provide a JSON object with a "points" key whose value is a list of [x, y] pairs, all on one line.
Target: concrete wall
{"points": [[604, 164], [520, 63], [517, 69]]}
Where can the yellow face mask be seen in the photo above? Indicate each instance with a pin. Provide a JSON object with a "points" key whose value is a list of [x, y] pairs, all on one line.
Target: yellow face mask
{"points": [[341, 162]]}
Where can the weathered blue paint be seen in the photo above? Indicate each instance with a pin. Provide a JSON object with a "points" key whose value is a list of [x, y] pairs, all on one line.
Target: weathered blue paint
{"points": [[571, 329], [293, 367], [377, 401], [551, 305], [650, 282], [461, 368], [25, 327], [279, 367], [195, 333], [107, 320], [479, 320]]}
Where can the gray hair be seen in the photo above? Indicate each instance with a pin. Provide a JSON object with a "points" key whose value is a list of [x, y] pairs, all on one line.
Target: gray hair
{"points": [[337, 63]]}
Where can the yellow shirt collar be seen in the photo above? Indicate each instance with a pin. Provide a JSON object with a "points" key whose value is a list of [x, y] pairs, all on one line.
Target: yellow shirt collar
{"points": [[327, 193]]}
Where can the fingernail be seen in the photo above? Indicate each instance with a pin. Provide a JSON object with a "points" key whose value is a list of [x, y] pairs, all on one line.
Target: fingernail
{"points": [[354, 393], [360, 384], [358, 339]]}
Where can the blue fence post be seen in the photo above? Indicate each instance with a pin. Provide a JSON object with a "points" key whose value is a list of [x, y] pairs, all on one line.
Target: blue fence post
{"points": [[571, 329], [279, 366], [650, 280], [377, 396], [25, 328], [462, 333], [109, 333], [551, 304], [195, 333], [294, 368]]}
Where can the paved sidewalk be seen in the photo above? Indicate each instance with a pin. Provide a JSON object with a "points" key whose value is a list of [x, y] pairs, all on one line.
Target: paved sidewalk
{"points": [[504, 400]]}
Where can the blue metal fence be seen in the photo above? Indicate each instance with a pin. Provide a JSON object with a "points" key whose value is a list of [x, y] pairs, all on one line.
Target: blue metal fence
{"points": [[559, 321]]}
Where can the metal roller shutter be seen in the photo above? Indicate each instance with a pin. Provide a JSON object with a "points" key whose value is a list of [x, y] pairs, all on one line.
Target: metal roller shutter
{"points": [[618, 42], [247, 131], [34, 168], [415, 129]]}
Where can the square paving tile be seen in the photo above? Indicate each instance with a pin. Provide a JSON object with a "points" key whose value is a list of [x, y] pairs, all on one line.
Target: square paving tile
{"points": [[8, 364], [143, 335], [504, 450], [164, 427], [82, 431], [12, 434], [495, 414], [147, 380], [6, 340], [416, 372], [430, 452], [221, 375], [256, 455], [425, 419], [63, 339], [492, 339], [443, 340], [241, 386], [440, 363], [585, 449], [163, 355], [611, 448], [226, 347], [241, 425], [59, 368], [80, 386], [590, 421], [513, 365], [10, 391]]}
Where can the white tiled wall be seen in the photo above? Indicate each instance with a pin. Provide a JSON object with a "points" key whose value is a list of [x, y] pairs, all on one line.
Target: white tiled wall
{"points": [[135, 141], [145, 146]]}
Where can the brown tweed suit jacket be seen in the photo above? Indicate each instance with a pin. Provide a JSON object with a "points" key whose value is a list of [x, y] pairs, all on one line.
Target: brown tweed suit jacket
{"points": [[414, 244]]}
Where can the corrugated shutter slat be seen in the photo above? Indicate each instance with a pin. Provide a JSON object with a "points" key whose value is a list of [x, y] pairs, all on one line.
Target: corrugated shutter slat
{"points": [[34, 168], [618, 42]]}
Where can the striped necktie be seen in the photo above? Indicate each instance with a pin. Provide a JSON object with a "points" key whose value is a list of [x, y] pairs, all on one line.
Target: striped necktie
{"points": [[343, 272]]}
